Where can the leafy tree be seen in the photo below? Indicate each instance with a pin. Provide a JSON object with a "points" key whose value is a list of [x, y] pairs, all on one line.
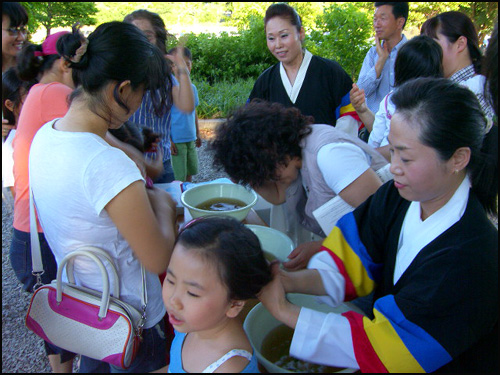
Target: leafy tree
{"points": [[59, 14], [342, 34]]}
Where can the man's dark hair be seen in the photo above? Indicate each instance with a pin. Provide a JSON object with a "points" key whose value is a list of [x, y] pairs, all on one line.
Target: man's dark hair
{"points": [[399, 9]]}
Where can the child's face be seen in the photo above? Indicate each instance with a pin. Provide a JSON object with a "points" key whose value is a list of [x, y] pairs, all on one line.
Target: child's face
{"points": [[195, 298]]}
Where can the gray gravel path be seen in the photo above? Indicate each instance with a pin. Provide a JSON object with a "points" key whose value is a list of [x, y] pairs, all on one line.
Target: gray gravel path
{"points": [[22, 350]]}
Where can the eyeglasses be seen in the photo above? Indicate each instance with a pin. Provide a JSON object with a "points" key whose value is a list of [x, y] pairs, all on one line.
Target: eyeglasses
{"points": [[14, 31]]}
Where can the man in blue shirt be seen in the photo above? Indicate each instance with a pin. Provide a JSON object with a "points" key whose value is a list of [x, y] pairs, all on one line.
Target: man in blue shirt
{"points": [[376, 77]]}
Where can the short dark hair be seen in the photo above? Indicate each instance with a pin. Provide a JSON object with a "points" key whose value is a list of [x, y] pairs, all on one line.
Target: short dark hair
{"points": [[399, 9], [157, 23], [453, 25], [421, 56], [256, 138], [13, 88], [16, 12], [116, 52], [233, 249], [449, 116], [283, 10]]}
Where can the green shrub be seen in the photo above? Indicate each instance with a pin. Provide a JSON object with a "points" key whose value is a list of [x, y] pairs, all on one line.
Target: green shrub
{"points": [[229, 57], [219, 99], [343, 34]]}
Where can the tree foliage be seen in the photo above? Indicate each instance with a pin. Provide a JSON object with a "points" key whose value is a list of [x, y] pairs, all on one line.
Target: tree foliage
{"points": [[59, 14]]}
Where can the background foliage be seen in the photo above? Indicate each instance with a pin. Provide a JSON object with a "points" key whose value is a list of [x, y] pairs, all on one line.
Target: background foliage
{"points": [[226, 64]]}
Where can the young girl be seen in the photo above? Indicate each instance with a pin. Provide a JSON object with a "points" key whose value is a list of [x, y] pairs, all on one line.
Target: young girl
{"points": [[217, 265]]}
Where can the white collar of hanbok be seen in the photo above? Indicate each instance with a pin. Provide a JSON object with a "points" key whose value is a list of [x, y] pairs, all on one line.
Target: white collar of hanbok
{"points": [[416, 234], [293, 91]]}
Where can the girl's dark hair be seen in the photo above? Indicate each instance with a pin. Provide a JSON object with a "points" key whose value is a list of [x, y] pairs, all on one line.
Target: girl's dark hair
{"points": [[256, 138], [234, 250], [421, 56], [16, 12], [13, 88], [156, 21], [283, 10], [30, 66], [141, 138], [449, 117], [117, 52], [453, 25]]}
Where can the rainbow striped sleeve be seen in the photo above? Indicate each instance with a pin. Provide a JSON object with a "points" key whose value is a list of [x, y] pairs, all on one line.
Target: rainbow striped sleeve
{"points": [[352, 259], [392, 343], [346, 109]]}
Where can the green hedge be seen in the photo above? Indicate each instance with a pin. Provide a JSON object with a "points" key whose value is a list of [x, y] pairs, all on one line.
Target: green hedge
{"points": [[217, 100]]}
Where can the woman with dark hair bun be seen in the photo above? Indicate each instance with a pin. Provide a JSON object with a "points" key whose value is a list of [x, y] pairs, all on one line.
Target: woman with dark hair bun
{"points": [[462, 57], [80, 181], [422, 243]]}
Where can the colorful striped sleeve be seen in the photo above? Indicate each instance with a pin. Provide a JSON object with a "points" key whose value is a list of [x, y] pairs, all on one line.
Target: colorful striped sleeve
{"points": [[392, 343], [344, 245], [346, 109]]}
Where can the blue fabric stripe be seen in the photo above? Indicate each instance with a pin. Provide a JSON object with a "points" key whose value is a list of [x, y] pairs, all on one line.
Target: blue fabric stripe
{"points": [[424, 348], [346, 100], [348, 226]]}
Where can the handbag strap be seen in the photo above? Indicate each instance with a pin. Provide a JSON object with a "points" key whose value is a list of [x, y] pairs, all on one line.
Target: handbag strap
{"points": [[37, 264]]}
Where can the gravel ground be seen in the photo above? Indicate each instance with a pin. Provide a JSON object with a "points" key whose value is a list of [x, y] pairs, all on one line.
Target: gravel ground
{"points": [[22, 350]]}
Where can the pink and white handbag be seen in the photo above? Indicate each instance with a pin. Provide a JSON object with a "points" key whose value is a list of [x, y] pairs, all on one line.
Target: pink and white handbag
{"points": [[83, 320]]}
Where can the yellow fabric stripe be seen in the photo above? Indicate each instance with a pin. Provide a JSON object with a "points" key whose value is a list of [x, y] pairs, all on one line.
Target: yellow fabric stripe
{"points": [[388, 345], [356, 272], [347, 108]]}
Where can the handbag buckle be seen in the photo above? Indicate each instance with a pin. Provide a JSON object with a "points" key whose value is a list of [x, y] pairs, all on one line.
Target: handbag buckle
{"points": [[141, 323], [38, 276]]}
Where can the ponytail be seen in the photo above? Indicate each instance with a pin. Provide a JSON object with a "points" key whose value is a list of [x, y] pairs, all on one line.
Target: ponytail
{"points": [[30, 66]]}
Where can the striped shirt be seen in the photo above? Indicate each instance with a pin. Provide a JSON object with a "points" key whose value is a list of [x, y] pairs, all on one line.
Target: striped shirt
{"points": [[377, 88], [145, 116]]}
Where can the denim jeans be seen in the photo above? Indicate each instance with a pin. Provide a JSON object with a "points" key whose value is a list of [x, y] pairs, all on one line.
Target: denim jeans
{"points": [[167, 175], [151, 355], [20, 260]]}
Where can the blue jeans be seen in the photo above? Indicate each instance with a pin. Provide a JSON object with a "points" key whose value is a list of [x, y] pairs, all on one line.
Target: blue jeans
{"points": [[20, 260], [151, 355], [167, 175]]}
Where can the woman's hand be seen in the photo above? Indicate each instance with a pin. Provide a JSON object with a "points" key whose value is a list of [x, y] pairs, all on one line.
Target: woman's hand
{"points": [[358, 100], [273, 298], [300, 256]]}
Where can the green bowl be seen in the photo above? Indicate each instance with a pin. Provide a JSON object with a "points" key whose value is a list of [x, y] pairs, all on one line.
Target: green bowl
{"points": [[202, 193], [259, 322], [274, 242]]}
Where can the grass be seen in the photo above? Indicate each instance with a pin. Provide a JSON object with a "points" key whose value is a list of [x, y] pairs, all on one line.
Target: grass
{"points": [[219, 99]]}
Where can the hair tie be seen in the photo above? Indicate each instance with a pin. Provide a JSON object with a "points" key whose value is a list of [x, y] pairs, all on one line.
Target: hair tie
{"points": [[80, 51]]}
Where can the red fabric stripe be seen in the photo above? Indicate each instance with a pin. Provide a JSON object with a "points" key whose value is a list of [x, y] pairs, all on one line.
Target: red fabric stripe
{"points": [[350, 290], [366, 356]]}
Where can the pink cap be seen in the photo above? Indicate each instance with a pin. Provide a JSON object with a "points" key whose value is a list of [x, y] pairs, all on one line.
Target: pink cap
{"points": [[49, 44]]}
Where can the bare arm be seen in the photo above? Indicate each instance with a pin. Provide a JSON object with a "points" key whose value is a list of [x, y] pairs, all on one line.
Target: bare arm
{"points": [[146, 219], [183, 95], [361, 188], [358, 101]]}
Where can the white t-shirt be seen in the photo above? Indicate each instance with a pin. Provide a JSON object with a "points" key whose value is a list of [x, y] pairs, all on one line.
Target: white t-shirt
{"points": [[73, 176], [382, 123], [341, 164], [8, 160]]}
